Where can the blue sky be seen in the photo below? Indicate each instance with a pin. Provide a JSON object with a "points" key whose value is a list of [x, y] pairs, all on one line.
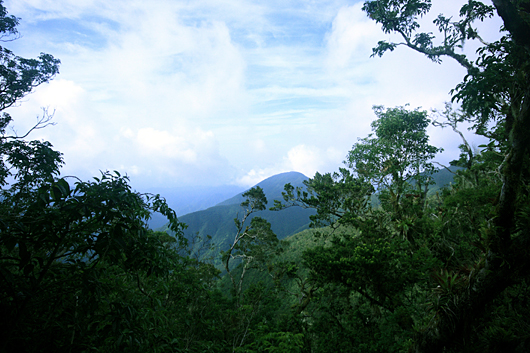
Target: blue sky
{"points": [[205, 92]]}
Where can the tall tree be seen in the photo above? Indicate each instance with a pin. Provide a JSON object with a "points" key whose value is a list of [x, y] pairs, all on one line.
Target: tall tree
{"points": [[253, 243], [79, 268], [396, 154], [495, 95], [377, 256]]}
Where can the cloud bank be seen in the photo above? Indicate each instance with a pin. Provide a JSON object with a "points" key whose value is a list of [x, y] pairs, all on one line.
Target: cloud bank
{"points": [[178, 93]]}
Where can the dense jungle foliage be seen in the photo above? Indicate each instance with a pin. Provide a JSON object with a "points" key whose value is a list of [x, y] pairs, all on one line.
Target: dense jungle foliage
{"points": [[413, 272]]}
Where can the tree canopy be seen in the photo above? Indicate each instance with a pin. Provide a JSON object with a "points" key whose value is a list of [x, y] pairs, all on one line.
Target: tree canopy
{"points": [[438, 270], [394, 263], [79, 268]]}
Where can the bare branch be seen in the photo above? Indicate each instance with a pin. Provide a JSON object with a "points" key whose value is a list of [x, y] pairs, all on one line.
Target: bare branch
{"points": [[42, 122]]}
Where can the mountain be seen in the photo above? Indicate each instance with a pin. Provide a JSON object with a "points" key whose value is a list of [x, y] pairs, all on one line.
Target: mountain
{"points": [[297, 243], [186, 200], [272, 187], [443, 177], [218, 221]]}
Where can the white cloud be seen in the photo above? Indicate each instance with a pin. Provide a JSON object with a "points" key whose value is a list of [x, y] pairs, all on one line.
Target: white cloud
{"points": [[37, 10], [212, 92], [351, 38], [253, 177], [302, 158], [68, 102], [184, 146]]}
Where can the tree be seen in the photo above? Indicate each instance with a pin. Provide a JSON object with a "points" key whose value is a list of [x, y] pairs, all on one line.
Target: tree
{"points": [[377, 256], [398, 155], [19, 76], [335, 197], [79, 268], [495, 96], [252, 243], [395, 159]]}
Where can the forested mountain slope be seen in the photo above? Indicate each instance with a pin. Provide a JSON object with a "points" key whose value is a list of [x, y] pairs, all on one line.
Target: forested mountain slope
{"points": [[440, 273], [184, 200], [272, 187], [293, 246], [218, 221]]}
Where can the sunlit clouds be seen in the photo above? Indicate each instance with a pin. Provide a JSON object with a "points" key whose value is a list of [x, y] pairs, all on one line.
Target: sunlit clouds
{"points": [[179, 93]]}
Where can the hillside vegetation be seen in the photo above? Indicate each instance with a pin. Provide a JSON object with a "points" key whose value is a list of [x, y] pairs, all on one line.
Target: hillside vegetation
{"points": [[217, 222], [437, 271]]}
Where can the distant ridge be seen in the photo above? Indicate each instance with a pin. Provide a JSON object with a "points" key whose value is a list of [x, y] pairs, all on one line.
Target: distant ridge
{"points": [[218, 221], [184, 200], [272, 187]]}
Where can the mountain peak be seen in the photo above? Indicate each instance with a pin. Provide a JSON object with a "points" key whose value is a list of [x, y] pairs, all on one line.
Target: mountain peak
{"points": [[288, 177], [272, 187]]}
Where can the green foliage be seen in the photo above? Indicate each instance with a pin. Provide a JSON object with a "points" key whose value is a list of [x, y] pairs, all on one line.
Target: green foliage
{"points": [[401, 16], [397, 152], [75, 263], [253, 244], [19, 76], [255, 200], [377, 257], [335, 195], [437, 268], [79, 269], [274, 342], [445, 271], [218, 222]]}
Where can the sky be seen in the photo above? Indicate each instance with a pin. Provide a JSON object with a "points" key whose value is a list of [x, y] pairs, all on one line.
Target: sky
{"points": [[178, 93]]}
